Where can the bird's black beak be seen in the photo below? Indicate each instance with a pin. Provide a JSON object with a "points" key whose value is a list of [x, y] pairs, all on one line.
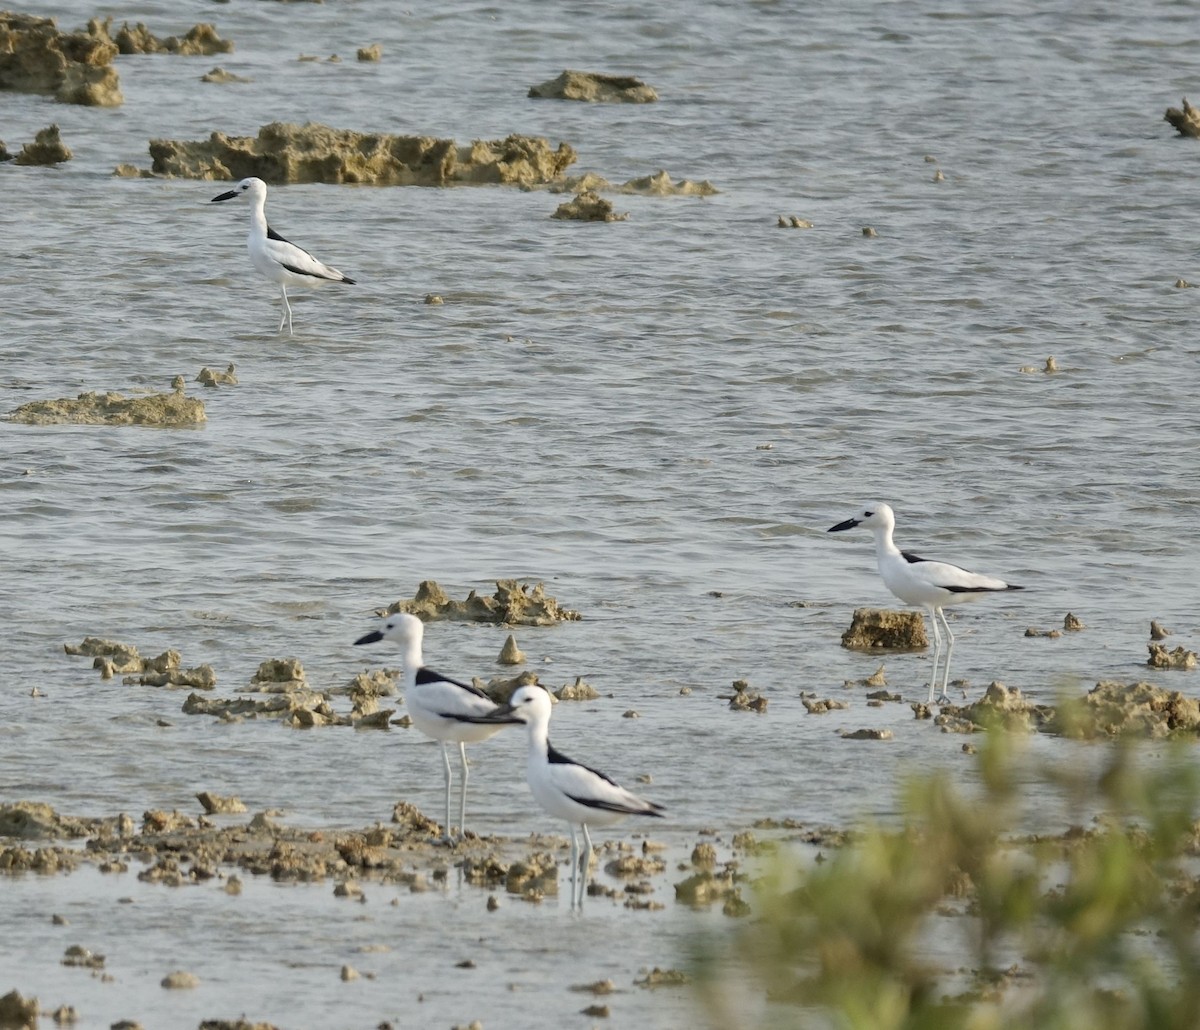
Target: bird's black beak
{"points": [[502, 714], [848, 524], [231, 195], [374, 636]]}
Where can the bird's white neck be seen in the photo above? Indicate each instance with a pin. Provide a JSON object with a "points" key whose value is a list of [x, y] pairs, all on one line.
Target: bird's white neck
{"points": [[884, 547], [258, 215], [539, 741], [410, 662]]}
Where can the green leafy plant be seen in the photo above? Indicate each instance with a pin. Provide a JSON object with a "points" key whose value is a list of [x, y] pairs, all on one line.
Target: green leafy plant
{"points": [[958, 918]]}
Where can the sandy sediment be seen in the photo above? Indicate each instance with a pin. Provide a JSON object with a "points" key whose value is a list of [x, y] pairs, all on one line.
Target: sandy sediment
{"points": [[73, 67], [164, 410], [284, 152], [593, 87]]}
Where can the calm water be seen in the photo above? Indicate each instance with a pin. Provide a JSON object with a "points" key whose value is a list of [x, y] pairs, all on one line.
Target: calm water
{"points": [[590, 408]]}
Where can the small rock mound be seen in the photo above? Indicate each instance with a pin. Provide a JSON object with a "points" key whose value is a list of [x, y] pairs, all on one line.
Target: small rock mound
{"points": [[17, 1011], [1140, 709], [513, 604], [208, 377], [114, 658], [881, 627], [660, 184], [34, 820], [222, 77], [1000, 706], [47, 148], [580, 690], [1179, 658], [592, 87], [1186, 121], [743, 699], [161, 410], [588, 206]]}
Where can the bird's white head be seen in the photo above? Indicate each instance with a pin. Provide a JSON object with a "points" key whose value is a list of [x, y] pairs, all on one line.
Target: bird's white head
{"points": [[401, 629], [529, 704], [878, 517], [251, 188]]}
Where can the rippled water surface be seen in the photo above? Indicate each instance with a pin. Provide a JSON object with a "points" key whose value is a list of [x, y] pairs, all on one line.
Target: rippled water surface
{"points": [[659, 418]]}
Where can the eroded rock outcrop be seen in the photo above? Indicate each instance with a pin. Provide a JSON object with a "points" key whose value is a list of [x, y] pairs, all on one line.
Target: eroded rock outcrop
{"points": [[660, 184], [222, 77], [163, 410], [199, 40], [513, 604], [114, 658], [284, 152], [208, 377], [593, 87], [588, 206], [1179, 658], [1000, 706], [47, 148], [73, 67], [34, 820], [18, 1012], [1115, 709], [298, 708], [882, 627], [1185, 121]]}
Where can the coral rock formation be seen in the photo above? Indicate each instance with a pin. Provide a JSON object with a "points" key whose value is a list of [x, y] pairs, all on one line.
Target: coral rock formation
{"points": [[74, 67], [284, 152], [593, 87]]}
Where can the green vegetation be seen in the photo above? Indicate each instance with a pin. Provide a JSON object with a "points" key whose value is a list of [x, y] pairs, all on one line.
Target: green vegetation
{"points": [[955, 921]]}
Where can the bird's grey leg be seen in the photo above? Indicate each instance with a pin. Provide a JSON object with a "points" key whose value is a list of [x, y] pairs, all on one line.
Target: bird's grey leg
{"points": [[446, 834], [937, 651], [574, 861], [462, 799], [287, 311], [949, 652], [585, 865]]}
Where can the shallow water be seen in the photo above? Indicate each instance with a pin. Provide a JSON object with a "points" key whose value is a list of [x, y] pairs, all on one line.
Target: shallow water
{"points": [[588, 408]]}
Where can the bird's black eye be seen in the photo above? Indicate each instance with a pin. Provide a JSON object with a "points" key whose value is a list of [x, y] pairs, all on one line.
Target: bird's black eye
{"points": [[868, 514]]}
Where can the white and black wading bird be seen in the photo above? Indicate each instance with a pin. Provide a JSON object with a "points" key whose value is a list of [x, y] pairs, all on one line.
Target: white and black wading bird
{"points": [[566, 789], [930, 584], [279, 260], [440, 707]]}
